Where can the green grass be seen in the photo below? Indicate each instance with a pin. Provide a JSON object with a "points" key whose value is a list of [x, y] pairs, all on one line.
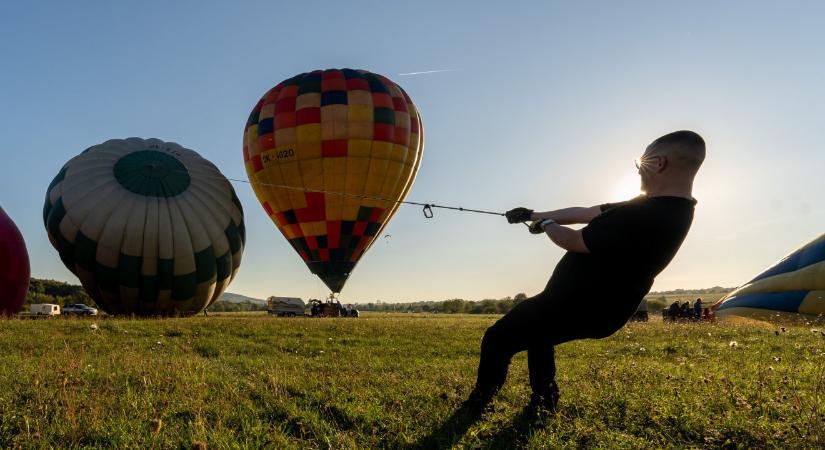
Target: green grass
{"points": [[393, 381]]}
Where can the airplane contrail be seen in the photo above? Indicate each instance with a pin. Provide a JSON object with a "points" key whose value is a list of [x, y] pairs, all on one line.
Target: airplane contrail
{"points": [[426, 72]]}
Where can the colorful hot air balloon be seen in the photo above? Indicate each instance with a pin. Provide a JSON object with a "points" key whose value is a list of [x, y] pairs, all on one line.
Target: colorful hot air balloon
{"points": [[149, 227], [329, 153], [14, 267], [796, 284]]}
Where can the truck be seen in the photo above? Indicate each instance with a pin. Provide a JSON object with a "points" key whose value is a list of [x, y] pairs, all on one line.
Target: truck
{"points": [[285, 306], [44, 309], [331, 308]]}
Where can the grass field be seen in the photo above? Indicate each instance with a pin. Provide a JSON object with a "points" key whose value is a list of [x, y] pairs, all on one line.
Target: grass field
{"points": [[394, 381]]}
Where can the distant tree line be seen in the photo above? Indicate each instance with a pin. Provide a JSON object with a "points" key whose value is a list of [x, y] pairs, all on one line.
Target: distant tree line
{"points": [[56, 292], [656, 302], [61, 293], [453, 306], [713, 290]]}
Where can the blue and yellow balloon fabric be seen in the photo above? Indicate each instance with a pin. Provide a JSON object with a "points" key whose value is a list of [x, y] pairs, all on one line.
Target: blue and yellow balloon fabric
{"points": [[796, 284]]}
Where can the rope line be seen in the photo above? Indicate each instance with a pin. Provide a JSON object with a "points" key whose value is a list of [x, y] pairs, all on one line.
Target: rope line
{"points": [[427, 207]]}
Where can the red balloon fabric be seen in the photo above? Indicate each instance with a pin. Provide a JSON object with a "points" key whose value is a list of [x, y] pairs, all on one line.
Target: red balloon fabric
{"points": [[14, 267]]}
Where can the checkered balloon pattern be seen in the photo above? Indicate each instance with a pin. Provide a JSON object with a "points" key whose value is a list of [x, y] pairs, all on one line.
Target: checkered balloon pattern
{"points": [[329, 153]]}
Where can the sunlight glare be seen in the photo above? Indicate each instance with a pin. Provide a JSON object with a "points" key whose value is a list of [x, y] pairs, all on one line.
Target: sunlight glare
{"points": [[624, 188]]}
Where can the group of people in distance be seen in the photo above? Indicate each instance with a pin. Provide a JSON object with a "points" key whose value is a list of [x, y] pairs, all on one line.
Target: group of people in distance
{"points": [[687, 312]]}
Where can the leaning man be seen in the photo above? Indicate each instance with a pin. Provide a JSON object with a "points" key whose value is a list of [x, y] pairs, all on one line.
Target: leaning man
{"points": [[609, 267]]}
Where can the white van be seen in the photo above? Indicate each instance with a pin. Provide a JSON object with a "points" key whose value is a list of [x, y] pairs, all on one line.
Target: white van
{"points": [[44, 309], [285, 306]]}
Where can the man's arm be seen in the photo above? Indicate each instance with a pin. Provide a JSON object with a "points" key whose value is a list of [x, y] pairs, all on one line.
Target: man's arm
{"points": [[569, 216], [566, 238]]}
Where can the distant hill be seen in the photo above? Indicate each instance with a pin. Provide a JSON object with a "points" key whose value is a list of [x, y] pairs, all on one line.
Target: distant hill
{"points": [[60, 292], [237, 302], [238, 298]]}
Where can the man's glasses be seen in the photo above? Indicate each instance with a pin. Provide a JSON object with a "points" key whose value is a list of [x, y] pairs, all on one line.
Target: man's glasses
{"points": [[641, 162]]}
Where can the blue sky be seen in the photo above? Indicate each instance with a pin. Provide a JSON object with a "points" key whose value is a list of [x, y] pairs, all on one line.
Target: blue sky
{"points": [[546, 106]]}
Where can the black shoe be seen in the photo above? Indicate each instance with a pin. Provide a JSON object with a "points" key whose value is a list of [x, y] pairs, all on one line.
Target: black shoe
{"points": [[479, 400], [547, 402]]}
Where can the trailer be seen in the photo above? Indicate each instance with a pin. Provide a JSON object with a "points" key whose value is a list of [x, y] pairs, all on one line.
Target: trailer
{"points": [[44, 309], [285, 306]]}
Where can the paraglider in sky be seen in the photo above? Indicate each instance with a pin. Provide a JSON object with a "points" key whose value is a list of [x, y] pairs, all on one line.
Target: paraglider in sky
{"points": [[14, 267], [329, 155], [149, 227], [796, 284]]}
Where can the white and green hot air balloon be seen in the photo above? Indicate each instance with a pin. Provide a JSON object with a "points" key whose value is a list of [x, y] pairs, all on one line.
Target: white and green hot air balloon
{"points": [[149, 227]]}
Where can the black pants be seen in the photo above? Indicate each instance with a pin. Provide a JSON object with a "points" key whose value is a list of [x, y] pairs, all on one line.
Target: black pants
{"points": [[537, 325]]}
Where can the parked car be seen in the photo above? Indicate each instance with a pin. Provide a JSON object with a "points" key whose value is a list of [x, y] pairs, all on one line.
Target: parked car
{"points": [[79, 309], [44, 309]]}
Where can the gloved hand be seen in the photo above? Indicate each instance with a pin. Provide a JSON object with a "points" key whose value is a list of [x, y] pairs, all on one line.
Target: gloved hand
{"points": [[536, 228], [518, 215]]}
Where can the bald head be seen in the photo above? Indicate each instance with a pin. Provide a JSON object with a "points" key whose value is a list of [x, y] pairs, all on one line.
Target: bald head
{"points": [[685, 151]]}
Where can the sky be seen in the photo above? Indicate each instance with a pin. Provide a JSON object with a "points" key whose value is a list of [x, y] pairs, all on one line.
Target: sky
{"points": [[537, 104]]}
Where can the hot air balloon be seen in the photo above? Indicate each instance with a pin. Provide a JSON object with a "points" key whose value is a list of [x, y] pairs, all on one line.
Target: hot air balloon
{"points": [[149, 227], [14, 267], [796, 284], [329, 155]]}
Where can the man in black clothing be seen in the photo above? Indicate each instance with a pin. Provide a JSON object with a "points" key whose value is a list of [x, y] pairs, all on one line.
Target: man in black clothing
{"points": [[673, 311], [609, 267]]}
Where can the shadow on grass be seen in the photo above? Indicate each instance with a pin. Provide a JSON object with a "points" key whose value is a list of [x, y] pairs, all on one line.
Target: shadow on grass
{"points": [[526, 422], [455, 427], [452, 430]]}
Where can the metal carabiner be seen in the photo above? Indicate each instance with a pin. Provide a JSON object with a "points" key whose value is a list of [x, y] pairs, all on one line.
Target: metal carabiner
{"points": [[428, 212]]}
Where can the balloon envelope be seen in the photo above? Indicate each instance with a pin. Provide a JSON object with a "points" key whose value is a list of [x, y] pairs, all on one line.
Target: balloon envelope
{"points": [[149, 227], [14, 267], [796, 284], [329, 153]]}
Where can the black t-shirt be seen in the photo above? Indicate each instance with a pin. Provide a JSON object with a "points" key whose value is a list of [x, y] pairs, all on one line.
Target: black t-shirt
{"points": [[629, 243]]}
